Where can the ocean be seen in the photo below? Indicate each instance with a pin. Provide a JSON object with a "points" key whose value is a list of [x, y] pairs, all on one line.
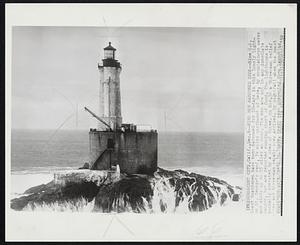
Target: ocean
{"points": [[42, 152]]}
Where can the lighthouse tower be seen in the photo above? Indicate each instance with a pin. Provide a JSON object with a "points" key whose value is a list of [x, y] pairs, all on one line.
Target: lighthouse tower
{"points": [[113, 142], [109, 90]]}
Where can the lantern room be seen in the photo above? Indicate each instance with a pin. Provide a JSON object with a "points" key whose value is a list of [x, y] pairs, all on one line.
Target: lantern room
{"points": [[109, 52]]}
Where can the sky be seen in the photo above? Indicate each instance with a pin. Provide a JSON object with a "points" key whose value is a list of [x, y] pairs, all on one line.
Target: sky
{"points": [[174, 79]]}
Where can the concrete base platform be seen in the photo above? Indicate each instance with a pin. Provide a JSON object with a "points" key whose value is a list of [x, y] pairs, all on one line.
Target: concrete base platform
{"points": [[135, 152]]}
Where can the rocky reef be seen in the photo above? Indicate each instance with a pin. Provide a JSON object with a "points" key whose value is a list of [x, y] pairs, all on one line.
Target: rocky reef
{"points": [[111, 191]]}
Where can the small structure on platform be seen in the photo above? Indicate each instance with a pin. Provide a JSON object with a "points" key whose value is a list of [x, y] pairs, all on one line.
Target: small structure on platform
{"points": [[113, 142]]}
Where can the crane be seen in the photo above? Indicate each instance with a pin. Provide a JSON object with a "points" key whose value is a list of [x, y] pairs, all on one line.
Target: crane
{"points": [[94, 115]]}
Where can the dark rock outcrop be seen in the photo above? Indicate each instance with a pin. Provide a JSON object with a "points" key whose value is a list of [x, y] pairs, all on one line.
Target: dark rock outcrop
{"points": [[86, 165], [113, 192], [235, 197], [124, 195], [56, 193], [201, 191]]}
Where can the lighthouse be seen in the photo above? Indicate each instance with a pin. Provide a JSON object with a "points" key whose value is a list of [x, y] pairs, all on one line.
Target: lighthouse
{"points": [[109, 90], [116, 143]]}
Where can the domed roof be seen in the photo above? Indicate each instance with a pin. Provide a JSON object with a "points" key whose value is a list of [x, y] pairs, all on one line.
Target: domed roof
{"points": [[109, 47]]}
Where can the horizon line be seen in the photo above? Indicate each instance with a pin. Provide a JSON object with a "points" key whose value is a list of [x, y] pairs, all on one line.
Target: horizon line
{"points": [[161, 131]]}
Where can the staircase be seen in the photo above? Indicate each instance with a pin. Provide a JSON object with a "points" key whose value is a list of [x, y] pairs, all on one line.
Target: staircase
{"points": [[99, 159]]}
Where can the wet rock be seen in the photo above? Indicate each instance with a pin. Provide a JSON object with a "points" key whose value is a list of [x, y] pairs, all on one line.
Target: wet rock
{"points": [[40, 188], [51, 193], [124, 195], [235, 197], [223, 198], [201, 192], [86, 165], [117, 192]]}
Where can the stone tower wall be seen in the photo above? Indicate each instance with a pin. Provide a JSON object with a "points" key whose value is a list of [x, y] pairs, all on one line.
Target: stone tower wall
{"points": [[110, 97]]}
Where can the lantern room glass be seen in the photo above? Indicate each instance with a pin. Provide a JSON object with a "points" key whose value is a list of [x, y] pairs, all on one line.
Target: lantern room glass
{"points": [[109, 54]]}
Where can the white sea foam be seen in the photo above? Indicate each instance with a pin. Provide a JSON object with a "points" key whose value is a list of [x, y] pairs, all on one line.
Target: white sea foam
{"points": [[22, 182], [80, 205]]}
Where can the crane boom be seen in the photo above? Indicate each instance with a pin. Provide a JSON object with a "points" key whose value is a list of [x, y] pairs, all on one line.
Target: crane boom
{"points": [[94, 115]]}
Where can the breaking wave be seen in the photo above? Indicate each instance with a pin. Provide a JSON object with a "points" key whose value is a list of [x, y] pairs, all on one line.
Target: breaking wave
{"points": [[166, 199], [78, 205]]}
